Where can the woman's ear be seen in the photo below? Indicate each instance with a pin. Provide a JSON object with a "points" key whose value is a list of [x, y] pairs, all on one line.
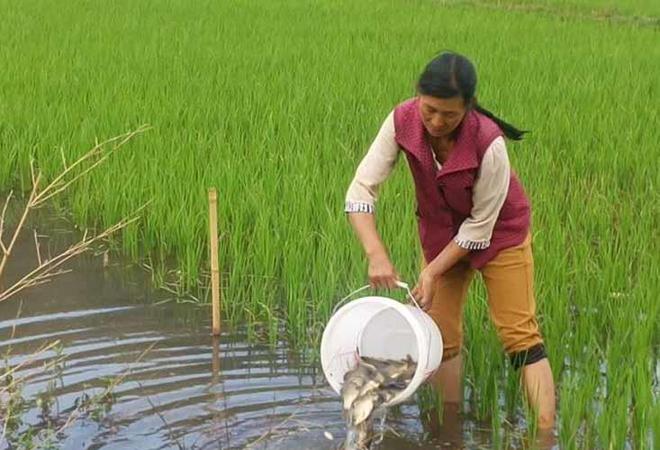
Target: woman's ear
{"points": [[473, 103]]}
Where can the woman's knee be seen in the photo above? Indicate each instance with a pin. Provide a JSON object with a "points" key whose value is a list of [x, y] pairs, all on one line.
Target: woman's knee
{"points": [[518, 337], [529, 355], [451, 346], [450, 353], [451, 329]]}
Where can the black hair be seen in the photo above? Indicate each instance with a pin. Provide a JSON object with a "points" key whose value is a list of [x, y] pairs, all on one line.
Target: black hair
{"points": [[450, 75]]}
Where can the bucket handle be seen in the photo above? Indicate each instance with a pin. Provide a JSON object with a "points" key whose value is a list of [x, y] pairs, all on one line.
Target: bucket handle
{"points": [[400, 284]]}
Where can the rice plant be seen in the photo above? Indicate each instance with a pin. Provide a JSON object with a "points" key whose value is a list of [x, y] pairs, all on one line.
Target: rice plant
{"points": [[274, 103]]}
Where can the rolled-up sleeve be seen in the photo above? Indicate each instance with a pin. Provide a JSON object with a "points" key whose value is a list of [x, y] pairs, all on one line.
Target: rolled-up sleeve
{"points": [[373, 170], [488, 195]]}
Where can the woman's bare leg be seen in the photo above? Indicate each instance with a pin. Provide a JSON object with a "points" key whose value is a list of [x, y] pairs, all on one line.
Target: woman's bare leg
{"points": [[448, 380], [540, 390]]}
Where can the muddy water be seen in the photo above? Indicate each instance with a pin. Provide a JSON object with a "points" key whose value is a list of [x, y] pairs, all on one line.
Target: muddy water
{"points": [[189, 391]]}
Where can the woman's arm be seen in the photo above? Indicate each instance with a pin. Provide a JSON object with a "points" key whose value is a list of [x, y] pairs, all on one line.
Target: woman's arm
{"points": [[361, 198], [373, 170], [449, 256], [488, 195], [381, 271]]}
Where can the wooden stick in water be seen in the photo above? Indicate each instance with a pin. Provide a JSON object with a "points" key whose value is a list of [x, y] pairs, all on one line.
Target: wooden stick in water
{"points": [[215, 271], [215, 359]]}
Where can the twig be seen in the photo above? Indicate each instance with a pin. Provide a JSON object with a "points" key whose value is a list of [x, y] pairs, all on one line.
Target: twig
{"points": [[47, 268], [60, 183], [2, 220], [30, 359], [33, 176], [55, 186], [7, 250], [63, 158], [36, 246]]}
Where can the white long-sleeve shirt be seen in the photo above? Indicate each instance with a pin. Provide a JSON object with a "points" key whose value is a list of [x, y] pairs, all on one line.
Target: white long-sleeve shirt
{"points": [[488, 192]]}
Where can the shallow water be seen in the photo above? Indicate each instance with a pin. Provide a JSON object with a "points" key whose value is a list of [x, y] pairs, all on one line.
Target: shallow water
{"points": [[190, 390]]}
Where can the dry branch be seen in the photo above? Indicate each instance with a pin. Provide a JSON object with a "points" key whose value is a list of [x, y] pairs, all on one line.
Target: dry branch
{"points": [[46, 269]]}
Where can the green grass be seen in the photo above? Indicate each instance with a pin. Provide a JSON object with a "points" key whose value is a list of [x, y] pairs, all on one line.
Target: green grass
{"points": [[274, 103], [642, 11]]}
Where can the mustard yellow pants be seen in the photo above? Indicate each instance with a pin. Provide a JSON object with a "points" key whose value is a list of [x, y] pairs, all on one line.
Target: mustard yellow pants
{"points": [[509, 279]]}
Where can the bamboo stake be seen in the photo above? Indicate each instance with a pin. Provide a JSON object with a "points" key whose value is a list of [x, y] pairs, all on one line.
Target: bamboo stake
{"points": [[215, 272]]}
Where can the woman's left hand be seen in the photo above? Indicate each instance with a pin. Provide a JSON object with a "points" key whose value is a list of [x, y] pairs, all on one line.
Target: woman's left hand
{"points": [[423, 292]]}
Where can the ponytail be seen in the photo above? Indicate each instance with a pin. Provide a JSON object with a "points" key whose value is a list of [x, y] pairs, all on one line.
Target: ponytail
{"points": [[509, 130]]}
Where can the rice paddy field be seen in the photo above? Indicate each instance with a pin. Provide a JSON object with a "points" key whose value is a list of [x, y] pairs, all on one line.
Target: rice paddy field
{"points": [[275, 102]]}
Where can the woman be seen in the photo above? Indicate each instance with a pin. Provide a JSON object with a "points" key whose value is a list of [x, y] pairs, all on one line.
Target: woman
{"points": [[472, 214]]}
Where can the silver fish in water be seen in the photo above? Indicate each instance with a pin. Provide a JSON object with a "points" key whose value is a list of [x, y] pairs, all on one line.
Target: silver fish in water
{"points": [[367, 387], [391, 369]]}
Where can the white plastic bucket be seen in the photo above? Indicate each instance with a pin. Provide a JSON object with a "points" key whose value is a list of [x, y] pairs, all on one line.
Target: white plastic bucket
{"points": [[380, 327]]}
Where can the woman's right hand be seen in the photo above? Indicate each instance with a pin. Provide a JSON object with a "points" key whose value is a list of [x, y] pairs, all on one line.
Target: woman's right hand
{"points": [[382, 273]]}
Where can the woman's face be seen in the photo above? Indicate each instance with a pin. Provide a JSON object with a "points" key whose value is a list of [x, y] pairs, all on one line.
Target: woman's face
{"points": [[441, 116]]}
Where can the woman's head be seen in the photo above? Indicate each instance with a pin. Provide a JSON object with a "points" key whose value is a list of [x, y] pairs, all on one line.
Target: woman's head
{"points": [[449, 75], [446, 90]]}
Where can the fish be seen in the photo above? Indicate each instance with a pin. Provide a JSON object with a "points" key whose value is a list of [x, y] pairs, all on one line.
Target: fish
{"points": [[371, 385], [369, 372], [362, 407], [386, 395], [393, 369], [409, 369], [350, 390], [358, 437], [358, 382], [353, 381]]}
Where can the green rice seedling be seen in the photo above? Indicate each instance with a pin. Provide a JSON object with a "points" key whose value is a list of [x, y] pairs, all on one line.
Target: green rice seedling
{"points": [[277, 120], [495, 417], [644, 12]]}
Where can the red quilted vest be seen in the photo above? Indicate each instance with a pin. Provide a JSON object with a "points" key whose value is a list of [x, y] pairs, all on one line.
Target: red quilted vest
{"points": [[444, 197]]}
